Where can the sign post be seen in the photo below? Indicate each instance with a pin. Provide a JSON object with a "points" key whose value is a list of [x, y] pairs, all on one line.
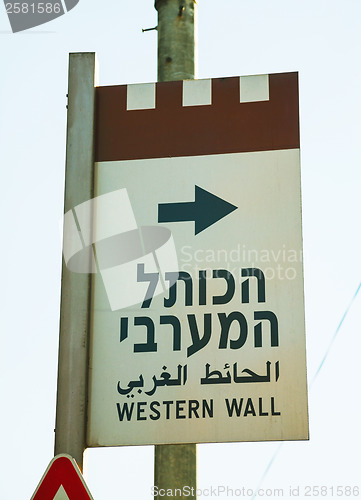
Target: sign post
{"points": [[176, 465], [70, 429], [183, 253]]}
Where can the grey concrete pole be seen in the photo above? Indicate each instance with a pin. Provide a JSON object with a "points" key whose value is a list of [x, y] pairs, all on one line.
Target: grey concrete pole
{"points": [[70, 431], [175, 466], [177, 39]]}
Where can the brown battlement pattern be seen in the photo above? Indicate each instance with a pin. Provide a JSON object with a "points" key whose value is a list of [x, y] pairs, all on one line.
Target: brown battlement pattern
{"points": [[171, 129]]}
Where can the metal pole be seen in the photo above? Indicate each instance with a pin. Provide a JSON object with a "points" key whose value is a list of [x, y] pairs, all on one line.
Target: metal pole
{"points": [[70, 431], [175, 466], [177, 39]]}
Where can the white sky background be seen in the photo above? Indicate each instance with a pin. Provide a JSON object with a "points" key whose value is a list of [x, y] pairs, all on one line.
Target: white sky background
{"points": [[318, 38]]}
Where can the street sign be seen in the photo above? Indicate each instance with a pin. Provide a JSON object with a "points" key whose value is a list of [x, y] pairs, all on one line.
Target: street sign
{"points": [[62, 480], [198, 313]]}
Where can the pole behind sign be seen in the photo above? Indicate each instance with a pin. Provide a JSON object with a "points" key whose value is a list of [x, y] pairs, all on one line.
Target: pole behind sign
{"points": [[175, 466]]}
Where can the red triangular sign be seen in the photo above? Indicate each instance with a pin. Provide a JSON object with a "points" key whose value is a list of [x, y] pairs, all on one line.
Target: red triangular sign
{"points": [[62, 481]]}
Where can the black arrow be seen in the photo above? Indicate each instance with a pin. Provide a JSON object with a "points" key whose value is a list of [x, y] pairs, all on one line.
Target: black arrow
{"points": [[204, 211]]}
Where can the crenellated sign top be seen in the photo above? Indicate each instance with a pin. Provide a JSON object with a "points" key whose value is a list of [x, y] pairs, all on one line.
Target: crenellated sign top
{"points": [[197, 117]]}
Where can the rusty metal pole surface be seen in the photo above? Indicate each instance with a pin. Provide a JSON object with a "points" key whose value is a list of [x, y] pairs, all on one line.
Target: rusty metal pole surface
{"points": [[177, 39], [71, 406], [175, 466]]}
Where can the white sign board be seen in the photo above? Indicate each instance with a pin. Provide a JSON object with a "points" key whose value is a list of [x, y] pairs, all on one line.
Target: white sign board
{"points": [[198, 312]]}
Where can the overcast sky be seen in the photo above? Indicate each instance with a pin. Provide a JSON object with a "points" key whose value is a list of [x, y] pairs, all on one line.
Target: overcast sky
{"points": [[321, 40]]}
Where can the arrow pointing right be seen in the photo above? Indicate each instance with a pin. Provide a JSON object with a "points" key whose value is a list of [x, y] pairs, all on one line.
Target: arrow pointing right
{"points": [[205, 210]]}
